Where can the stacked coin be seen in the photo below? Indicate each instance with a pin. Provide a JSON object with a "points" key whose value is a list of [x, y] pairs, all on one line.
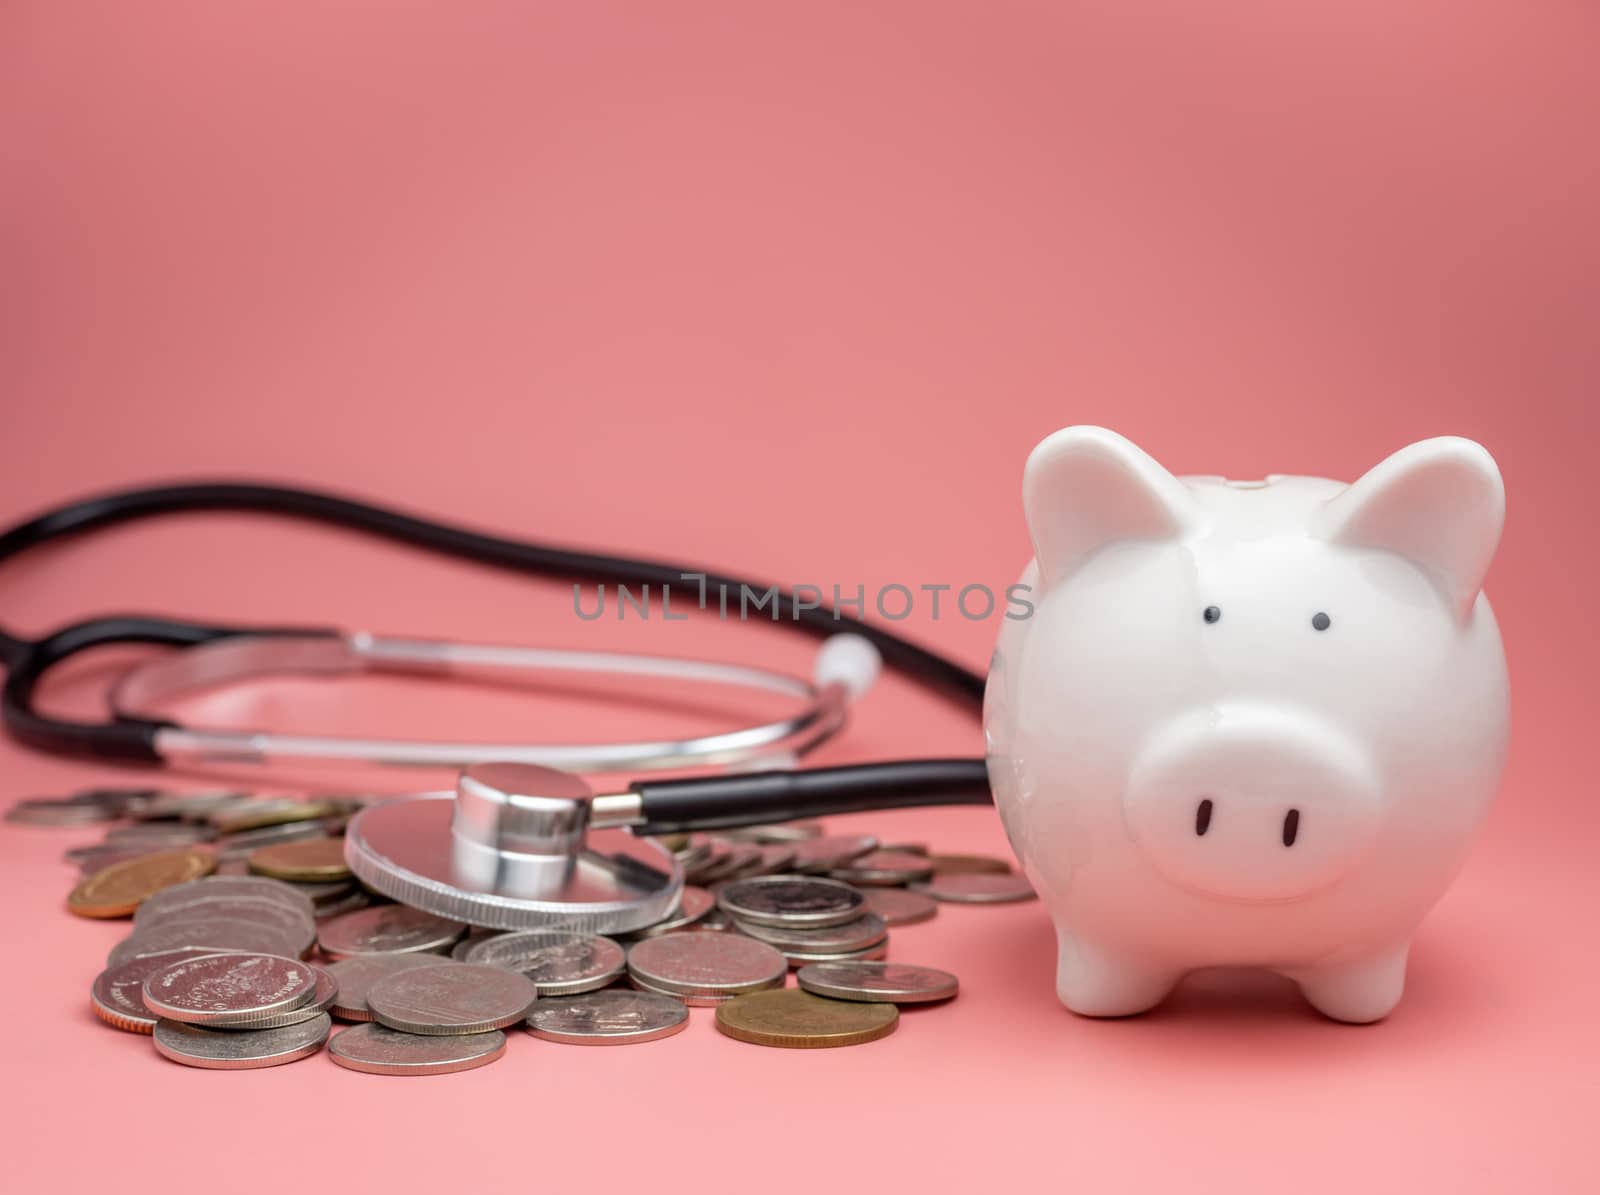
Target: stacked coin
{"points": [[239, 1011]]}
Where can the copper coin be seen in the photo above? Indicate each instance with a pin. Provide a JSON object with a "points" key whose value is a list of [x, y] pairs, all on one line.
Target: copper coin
{"points": [[793, 1019], [307, 859], [118, 890]]}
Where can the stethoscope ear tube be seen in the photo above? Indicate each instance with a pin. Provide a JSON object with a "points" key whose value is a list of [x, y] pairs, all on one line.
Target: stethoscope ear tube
{"points": [[758, 798]]}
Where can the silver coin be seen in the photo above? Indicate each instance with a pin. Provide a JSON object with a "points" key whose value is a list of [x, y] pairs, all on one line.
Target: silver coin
{"points": [[159, 834], [180, 805], [451, 998], [824, 854], [801, 958], [609, 1018], [324, 892], [379, 1050], [693, 905], [321, 1001], [99, 858], [387, 929], [474, 935], [216, 887], [978, 888], [898, 906], [885, 867], [865, 931], [560, 964], [791, 901], [294, 925], [695, 853], [117, 995], [213, 934], [698, 963], [877, 983], [727, 858], [239, 845], [692, 1000], [78, 810], [358, 898], [355, 976], [223, 989], [782, 832], [240, 1049]]}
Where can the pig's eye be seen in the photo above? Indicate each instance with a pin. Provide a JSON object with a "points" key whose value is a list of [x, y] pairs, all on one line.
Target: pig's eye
{"points": [[1212, 613], [1320, 621]]}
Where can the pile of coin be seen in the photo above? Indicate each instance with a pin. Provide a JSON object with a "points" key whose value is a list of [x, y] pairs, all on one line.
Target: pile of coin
{"points": [[230, 895]]}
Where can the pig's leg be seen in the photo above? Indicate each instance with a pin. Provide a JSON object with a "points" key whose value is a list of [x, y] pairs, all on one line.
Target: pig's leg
{"points": [[1095, 983], [1359, 992]]}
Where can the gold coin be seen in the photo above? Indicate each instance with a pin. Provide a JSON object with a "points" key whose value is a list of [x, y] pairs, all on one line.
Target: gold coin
{"points": [[968, 865], [798, 1020], [260, 814], [118, 890], [304, 859]]}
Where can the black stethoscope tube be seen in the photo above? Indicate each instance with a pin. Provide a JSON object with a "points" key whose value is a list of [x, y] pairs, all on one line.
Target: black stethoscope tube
{"points": [[709, 801]]}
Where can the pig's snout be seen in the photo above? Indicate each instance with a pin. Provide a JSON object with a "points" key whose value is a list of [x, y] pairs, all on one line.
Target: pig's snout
{"points": [[1252, 804]]}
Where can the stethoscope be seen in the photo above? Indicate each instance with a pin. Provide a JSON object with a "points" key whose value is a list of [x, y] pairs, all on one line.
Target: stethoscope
{"points": [[522, 842]]}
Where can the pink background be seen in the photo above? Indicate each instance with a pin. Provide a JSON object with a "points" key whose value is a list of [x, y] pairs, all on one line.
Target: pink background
{"points": [[793, 289]]}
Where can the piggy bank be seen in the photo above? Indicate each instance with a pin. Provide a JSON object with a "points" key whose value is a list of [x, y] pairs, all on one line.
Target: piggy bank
{"points": [[1248, 723]]}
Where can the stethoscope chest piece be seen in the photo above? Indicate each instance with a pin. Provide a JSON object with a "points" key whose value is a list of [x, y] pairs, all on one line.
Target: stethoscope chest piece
{"points": [[512, 848]]}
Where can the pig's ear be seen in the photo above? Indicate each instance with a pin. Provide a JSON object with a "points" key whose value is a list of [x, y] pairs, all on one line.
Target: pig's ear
{"points": [[1439, 503], [1085, 487]]}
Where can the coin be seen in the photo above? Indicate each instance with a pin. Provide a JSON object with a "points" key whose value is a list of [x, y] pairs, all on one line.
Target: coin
{"points": [[451, 998], [118, 890], [215, 888], [782, 832], [117, 995], [100, 857], [214, 934], [379, 1050], [253, 815], [308, 859], [693, 905], [159, 805], [897, 906], [236, 1049], [698, 963], [59, 811], [865, 931], [960, 864], [387, 929], [801, 958], [690, 1000], [242, 845], [791, 901], [357, 974], [560, 964], [895, 983], [358, 899], [798, 1020], [727, 858], [978, 888], [159, 834], [322, 999], [885, 867], [294, 925], [220, 989], [615, 1017], [824, 854]]}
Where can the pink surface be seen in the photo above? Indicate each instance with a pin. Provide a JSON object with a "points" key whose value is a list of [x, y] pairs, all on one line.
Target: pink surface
{"points": [[793, 289]]}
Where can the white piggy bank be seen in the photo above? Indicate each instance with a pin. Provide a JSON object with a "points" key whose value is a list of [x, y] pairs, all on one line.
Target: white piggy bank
{"points": [[1248, 723]]}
